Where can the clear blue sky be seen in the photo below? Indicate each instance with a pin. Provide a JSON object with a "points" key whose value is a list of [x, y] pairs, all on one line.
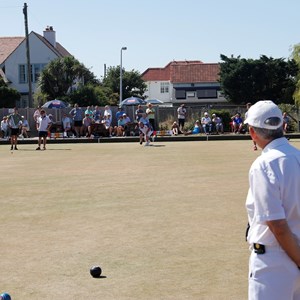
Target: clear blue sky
{"points": [[156, 32]]}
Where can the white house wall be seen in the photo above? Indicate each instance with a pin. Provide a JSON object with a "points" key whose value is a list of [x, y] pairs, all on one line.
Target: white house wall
{"points": [[153, 91], [39, 54]]}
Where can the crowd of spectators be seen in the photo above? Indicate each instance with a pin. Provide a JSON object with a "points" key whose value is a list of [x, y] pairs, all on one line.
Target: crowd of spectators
{"points": [[94, 121]]}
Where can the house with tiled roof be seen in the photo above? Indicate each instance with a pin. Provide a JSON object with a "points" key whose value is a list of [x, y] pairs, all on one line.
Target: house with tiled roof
{"points": [[189, 82], [13, 59]]}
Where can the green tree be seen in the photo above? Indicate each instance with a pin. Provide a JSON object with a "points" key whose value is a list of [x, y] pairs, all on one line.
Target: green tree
{"points": [[296, 56], [132, 84], [61, 74], [89, 95], [249, 80], [8, 96]]}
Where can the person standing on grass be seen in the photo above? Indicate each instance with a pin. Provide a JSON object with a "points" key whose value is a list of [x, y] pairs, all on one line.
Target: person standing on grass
{"points": [[37, 113], [139, 113], [77, 114], [273, 207], [43, 126], [150, 112], [181, 112], [14, 123]]}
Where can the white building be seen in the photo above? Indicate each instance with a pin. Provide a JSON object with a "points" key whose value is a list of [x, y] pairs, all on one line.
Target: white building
{"points": [[13, 59], [190, 82]]}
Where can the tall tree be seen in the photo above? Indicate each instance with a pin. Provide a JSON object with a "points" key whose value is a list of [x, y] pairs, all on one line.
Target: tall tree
{"points": [[61, 74], [133, 84], [296, 56], [248, 80]]}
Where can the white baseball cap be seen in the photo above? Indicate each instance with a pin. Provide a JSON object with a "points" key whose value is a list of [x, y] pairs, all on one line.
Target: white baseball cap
{"points": [[264, 114]]}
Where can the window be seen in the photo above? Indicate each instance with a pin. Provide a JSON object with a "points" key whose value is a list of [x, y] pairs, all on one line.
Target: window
{"points": [[209, 93], [164, 87], [180, 94], [22, 74], [35, 72], [37, 69]]}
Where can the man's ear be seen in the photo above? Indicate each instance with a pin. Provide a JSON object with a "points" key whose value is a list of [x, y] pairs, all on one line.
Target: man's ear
{"points": [[252, 133]]}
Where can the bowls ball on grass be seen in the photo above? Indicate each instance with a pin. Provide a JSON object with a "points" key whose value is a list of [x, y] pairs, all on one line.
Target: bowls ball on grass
{"points": [[95, 271], [5, 296]]}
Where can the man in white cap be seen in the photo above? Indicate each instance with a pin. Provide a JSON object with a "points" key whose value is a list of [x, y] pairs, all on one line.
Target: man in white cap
{"points": [[273, 206], [206, 123]]}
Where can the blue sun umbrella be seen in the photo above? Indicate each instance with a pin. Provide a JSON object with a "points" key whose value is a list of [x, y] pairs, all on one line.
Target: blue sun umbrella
{"points": [[56, 103], [154, 101], [133, 101]]}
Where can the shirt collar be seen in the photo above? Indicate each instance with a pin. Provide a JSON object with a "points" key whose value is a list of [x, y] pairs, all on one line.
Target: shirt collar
{"points": [[275, 144]]}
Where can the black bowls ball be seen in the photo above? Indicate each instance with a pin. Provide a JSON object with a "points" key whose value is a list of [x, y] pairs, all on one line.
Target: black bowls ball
{"points": [[95, 271]]}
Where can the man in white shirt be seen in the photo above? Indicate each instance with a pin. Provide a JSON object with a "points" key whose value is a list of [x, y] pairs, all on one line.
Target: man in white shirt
{"points": [[43, 125], [273, 206], [181, 114], [67, 124], [206, 123], [145, 133], [108, 112]]}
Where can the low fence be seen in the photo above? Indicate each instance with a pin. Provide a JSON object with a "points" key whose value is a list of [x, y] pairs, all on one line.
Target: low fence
{"points": [[162, 114]]}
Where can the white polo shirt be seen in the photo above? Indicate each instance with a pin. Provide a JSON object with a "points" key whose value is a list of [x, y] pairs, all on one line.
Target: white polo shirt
{"points": [[43, 123], [145, 129], [274, 191]]}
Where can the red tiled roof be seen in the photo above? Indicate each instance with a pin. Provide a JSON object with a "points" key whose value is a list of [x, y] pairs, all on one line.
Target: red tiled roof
{"points": [[184, 72], [195, 73], [8, 45], [159, 74]]}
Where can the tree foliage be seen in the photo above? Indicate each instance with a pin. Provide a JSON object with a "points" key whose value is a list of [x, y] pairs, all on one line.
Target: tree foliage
{"points": [[89, 95], [296, 57], [8, 96], [61, 74], [248, 80], [132, 84], [58, 80]]}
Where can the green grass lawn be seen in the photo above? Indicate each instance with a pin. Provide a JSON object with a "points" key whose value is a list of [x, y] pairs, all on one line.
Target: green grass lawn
{"points": [[163, 222]]}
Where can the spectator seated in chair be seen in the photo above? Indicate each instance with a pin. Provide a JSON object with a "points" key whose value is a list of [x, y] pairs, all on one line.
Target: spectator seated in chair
{"points": [[24, 128], [107, 123], [119, 130], [4, 128], [217, 124], [237, 123], [86, 123], [127, 122], [175, 128], [67, 125], [206, 123]]}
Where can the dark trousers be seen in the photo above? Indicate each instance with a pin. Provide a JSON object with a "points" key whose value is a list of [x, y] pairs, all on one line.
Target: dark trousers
{"points": [[152, 123]]}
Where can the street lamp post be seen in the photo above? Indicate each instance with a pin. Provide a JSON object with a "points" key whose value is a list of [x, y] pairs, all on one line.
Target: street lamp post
{"points": [[121, 73]]}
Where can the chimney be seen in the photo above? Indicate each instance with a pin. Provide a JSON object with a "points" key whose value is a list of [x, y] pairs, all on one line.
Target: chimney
{"points": [[49, 35]]}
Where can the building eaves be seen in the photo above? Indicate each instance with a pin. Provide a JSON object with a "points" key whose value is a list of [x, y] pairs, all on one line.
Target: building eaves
{"points": [[59, 50]]}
